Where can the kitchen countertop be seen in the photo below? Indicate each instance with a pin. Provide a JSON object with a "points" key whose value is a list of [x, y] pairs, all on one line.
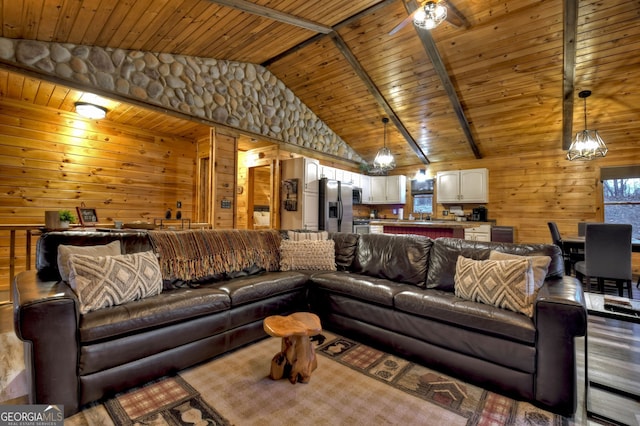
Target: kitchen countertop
{"points": [[427, 223]]}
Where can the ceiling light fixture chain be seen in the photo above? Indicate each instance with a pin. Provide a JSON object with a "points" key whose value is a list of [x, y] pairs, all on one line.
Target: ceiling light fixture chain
{"points": [[587, 144]]}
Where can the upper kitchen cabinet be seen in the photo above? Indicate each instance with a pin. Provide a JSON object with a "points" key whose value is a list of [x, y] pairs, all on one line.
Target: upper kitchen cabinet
{"points": [[307, 170], [327, 172], [365, 184], [311, 174], [388, 189], [463, 186]]}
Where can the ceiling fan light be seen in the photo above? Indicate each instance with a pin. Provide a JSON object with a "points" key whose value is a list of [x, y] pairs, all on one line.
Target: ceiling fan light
{"points": [[91, 111], [430, 15]]}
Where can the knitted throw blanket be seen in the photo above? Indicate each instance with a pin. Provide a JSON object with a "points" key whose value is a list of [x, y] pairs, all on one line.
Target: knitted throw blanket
{"points": [[198, 253]]}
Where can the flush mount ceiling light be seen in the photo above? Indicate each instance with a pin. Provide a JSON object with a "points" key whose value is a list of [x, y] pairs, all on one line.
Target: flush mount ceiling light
{"points": [[587, 144], [384, 160], [91, 111], [430, 15]]}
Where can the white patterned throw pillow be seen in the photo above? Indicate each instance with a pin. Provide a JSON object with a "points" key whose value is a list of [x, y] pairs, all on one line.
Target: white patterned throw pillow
{"points": [[507, 284], [104, 281]]}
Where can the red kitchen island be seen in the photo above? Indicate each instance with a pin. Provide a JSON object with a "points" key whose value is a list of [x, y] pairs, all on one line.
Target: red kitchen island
{"points": [[428, 228]]}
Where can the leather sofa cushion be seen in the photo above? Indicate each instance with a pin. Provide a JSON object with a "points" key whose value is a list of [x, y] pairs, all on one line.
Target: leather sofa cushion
{"points": [[157, 311], [259, 287], [400, 258], [363, 287], [445, 251], [47, 247], [487, 319], [346, 244]]}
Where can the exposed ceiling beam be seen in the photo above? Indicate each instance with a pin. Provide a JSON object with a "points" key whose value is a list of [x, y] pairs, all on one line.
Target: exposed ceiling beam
{"points": [[266, 12], [440, 69], [373, 89], [275, 15], [569, 63]]}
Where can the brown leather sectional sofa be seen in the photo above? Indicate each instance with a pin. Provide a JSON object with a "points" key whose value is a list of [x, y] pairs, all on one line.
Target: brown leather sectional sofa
{"points": [[391, 291]]}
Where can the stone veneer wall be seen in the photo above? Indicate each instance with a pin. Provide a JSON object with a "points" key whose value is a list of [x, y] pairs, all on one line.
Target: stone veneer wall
{"points": [[241, 95]]}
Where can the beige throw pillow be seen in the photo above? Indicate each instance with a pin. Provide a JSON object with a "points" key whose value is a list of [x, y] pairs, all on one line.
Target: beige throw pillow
{"points": [[507, 284], [314, 236], [540, 264], [65, 251], [105, 281], [307, 254]]}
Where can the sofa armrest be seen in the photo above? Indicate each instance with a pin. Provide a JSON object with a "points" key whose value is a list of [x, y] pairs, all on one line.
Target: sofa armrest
{"points": [[560, 317], [46, 319]]}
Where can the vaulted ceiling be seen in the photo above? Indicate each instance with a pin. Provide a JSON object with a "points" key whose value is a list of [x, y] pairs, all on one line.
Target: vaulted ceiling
{"points": [[503, 81]]}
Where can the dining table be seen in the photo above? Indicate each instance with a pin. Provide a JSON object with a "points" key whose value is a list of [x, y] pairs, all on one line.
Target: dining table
{"points": [[576, 242]]}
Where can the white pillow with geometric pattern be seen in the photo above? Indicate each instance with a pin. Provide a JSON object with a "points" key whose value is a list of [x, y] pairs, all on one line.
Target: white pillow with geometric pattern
{"points": [[507, 284], [104, 281]]}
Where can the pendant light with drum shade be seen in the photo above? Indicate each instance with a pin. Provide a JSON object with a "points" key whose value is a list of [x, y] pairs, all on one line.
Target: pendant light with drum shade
{"points": [[587, 144], [384, 160]]}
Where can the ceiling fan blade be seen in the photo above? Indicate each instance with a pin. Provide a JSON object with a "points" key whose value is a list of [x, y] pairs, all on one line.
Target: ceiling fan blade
{"points": [[402, 24]]}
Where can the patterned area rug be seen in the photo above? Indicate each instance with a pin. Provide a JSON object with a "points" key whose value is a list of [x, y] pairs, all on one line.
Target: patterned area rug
{"points": [[354, 384]]}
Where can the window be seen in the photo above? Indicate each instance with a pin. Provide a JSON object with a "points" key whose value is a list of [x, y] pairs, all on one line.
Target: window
{"points": [[423, 203], [621, 195]]}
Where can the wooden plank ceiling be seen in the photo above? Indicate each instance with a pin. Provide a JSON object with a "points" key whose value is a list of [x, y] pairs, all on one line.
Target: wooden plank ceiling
{"points": [[505, 69]]}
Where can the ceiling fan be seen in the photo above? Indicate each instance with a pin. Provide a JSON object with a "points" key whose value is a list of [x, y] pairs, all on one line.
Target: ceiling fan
{"points": [[432, 13]]}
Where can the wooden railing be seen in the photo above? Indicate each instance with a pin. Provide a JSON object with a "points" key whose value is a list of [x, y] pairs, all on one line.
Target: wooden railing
{"points": [[20, 256]]}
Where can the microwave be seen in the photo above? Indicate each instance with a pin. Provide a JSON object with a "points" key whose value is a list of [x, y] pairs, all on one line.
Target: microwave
{"points": [[357, 195]]}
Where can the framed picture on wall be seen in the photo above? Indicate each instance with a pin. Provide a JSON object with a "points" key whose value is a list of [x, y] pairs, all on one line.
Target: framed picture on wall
{"points": [[87, 216]]}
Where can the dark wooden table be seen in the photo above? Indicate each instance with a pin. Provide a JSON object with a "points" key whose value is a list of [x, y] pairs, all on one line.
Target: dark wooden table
{"points": [[577, 242], [596, 306]]}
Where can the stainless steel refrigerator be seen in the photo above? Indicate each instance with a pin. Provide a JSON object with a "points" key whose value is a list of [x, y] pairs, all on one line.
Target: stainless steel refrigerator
{"points": [[336, 206]]}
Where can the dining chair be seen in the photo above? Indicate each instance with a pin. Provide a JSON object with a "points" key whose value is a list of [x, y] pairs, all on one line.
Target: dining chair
{"points": [[582, 229], [556, 238], [607, 256]]}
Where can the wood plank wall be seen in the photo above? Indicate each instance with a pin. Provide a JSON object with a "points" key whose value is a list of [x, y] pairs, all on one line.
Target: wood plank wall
{"points": [[51, 160], [224, 180]]}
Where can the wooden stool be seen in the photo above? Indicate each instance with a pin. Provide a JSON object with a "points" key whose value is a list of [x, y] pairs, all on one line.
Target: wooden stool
{"points": [[297, 359]]}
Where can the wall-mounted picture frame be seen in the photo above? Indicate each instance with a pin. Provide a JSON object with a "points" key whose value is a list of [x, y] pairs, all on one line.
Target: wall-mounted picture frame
{"points": [[87, 216]]}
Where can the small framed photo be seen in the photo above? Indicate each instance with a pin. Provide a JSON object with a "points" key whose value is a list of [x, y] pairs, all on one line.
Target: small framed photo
{"points": [[87, 216]]}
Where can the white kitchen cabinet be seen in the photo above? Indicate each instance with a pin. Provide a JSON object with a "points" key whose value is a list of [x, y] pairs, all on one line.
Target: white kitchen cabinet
{"points": [[311, 175], [463, 186], [305, 215], [365, 184], [327, 172], [396, 189], [478, 233], [378, 190], [376, 229], [310, 207], [388, 189]]}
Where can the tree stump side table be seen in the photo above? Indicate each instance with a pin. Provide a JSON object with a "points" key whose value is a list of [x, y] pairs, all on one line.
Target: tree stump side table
{"points": [[297, 359]]}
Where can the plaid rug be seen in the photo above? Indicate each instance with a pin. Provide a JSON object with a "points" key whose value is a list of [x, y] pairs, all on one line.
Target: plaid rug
{"points": [[354, 384]]}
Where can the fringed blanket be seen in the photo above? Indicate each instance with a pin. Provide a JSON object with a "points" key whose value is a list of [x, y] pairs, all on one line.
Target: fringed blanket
{"points": [[194, 254]]}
